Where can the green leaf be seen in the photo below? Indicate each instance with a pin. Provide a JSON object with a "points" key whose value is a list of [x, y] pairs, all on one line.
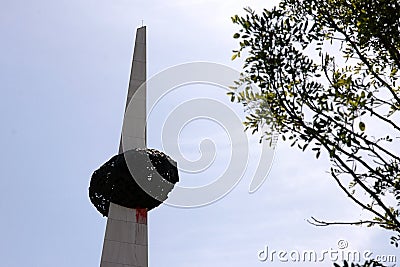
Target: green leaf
{"points": [[232, 94], [234, 56], [362, 126], [236, 35]]}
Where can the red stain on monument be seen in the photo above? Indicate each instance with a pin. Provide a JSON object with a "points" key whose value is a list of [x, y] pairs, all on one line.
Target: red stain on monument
{"points": [[141, 216]]}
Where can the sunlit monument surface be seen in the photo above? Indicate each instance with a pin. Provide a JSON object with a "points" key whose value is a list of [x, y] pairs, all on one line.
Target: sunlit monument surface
{"points": [[114, 188]]}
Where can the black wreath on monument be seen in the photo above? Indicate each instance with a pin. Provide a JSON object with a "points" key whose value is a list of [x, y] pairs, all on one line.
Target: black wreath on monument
{"points": [[115, 182]]}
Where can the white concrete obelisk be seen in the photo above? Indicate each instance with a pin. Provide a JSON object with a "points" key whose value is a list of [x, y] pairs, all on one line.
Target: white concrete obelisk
{"points": [[125, 240]]}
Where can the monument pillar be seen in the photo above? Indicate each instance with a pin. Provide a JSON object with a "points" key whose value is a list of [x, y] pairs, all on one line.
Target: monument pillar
{"points": [[125, 240]]}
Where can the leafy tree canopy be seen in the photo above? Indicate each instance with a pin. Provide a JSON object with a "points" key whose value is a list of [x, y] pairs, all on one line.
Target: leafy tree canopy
{"points": [[328, 79]]}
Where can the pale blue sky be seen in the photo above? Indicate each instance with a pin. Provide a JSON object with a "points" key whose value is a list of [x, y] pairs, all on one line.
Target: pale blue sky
{"points": [[64, 70]]}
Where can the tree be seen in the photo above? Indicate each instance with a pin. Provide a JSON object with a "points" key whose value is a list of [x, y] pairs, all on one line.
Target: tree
{"points": [[327, 73]]}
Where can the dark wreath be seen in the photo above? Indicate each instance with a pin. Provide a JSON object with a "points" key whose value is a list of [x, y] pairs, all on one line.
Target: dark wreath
{"points": [[118, 182]]}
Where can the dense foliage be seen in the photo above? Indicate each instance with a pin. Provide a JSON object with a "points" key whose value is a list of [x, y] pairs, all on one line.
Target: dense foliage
{"points": [[328, 79]]}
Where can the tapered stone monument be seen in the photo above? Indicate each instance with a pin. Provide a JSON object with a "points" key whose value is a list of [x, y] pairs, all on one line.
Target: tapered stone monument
{"points": [[125, 240], [115, 190]]}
